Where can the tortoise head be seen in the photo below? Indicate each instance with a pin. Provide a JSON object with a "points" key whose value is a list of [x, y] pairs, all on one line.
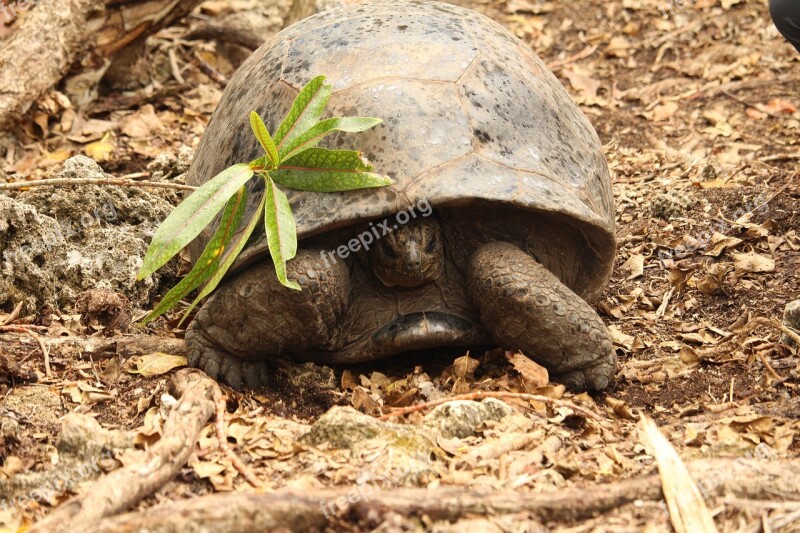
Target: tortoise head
{"points": [[410, 255]]}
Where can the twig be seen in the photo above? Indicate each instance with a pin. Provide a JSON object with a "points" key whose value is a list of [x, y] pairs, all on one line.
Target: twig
{"points": [[210, 71], [491, 394], [775, 324], [586, 52], [229, 34], [688, 511], [712, 90], [747, 104], [780, 157], [219, 401], [45, 349], [13, 316], [768, 366], [173, 65], [92, 181], [127, 486], [655, 43]]}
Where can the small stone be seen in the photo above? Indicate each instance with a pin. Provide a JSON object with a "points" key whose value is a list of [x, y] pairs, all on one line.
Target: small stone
{"points": [[791, 319], [409, 452], [671, 204], [463, 418]]}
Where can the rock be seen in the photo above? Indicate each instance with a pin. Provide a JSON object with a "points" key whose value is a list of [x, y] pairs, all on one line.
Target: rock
{"points": [[167, 165], [38, 404], [83, 437], [671, 204], [463, 418], [85, 450], [57, 242], [408, 450], [791, 319]]}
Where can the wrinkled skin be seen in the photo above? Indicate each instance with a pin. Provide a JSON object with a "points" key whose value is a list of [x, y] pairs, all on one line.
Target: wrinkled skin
{"points": [[428, 283]]}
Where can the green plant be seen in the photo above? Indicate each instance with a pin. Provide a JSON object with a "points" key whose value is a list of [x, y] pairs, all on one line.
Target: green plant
{"points": [[291, 159]]}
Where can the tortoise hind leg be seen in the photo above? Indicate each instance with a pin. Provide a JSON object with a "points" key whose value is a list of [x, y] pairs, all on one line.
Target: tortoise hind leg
{"points": [[252, 317], [526, 307]]}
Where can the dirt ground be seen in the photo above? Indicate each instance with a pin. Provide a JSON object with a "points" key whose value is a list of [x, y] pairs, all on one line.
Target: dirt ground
{"points": [[695, 103]]}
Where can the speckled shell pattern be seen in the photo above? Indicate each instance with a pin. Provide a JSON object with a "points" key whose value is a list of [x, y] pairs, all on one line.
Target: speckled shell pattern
{"points": [[471, 117]]}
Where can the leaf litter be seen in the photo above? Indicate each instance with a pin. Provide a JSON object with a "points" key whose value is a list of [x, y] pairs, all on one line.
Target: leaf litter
{"points": [[697, 111]]}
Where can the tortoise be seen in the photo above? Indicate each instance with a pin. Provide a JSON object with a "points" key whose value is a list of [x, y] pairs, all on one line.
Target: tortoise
{"points": [[498, 228]]}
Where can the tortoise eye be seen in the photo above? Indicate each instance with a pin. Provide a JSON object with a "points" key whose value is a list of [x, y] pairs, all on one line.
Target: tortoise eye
{"points": [[431, 246], [387, 249]]}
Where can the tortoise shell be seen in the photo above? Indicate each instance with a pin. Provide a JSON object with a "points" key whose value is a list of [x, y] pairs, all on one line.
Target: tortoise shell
{"points": [[472, 117]]}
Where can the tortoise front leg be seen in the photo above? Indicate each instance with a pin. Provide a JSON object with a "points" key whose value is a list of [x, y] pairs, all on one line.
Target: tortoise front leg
{"points": [[526, 307], [252, 317]]}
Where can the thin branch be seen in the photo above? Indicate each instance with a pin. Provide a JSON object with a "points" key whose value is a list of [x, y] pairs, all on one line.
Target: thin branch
{"points": [[775, 324], [490, 394], [219, 401], [93, 181], [13, 316], [127, 486], [45, 349]]}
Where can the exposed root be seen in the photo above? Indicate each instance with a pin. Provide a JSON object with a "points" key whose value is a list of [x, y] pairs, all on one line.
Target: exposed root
{"points": [[125, 487]]}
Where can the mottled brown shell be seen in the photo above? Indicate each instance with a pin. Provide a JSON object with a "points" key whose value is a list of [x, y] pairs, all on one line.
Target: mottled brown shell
{"points": [[471, 116]]}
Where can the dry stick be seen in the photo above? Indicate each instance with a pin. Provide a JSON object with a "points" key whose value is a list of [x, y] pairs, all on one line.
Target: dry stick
{"points": [[309, 511], [13, 316], [768, 366], [98, 348], [228, 34], [780, 157], [38, 339], [37, 55], [93, 181], [586, 52], [748, 104], [124, 488], [490, 394], [710, 90], [775, 324], [655, 43], [219, 401]]}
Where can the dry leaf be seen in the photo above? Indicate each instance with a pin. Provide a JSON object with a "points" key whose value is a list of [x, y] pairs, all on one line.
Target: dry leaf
{"points": [[154, 364], [142, 124], [753, 262], [687, 509], [634, 266], [533, 374], [100, 150], [664, 111]]}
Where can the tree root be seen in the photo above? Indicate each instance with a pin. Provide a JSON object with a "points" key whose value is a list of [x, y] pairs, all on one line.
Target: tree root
{"points": [[54, 33], [245, 512], [123, 488]]}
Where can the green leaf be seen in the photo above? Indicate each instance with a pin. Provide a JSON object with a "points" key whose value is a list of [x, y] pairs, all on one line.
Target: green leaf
{"points": [[261, 133], [207, 263], [321, 170], [281, 231], [231, 253], [317, 132], [305, 112], [191, 216]]}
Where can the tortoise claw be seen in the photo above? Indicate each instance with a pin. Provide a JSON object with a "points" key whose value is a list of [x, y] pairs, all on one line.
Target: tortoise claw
{"points": [[220, 365]]}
